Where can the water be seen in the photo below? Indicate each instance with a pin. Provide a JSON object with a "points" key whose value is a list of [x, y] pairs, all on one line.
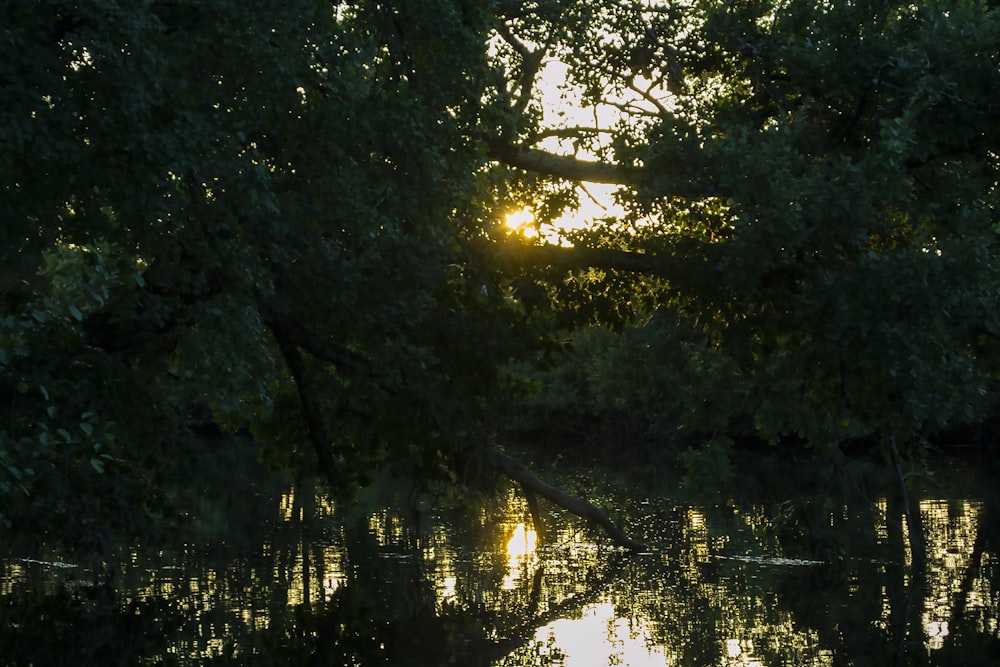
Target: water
{"points": [[772, 574]]}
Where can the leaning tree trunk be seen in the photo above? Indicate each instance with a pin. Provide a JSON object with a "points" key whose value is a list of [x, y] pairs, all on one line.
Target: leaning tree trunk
{"points": [[532, 484]]}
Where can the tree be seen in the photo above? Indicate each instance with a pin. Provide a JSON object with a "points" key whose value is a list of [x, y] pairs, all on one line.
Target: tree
{"points": [[807, 196], [815, 185], [182, 176]]}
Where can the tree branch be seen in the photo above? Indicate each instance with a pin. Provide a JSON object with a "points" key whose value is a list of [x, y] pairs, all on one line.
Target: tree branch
{"points": [[559, 166], [575, 257], [520, 473], [310, 410], [293, 333], [632, 108], [643, 8], [568, 132], [687, 264], [647, 95], [519, 47], [531, 62]]}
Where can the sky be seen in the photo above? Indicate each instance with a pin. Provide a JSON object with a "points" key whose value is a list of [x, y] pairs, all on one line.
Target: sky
{"points": [[562, 107]]}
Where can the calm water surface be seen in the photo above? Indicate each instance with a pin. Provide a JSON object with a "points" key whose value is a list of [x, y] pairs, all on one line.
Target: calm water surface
{"points": [[786, 568]]}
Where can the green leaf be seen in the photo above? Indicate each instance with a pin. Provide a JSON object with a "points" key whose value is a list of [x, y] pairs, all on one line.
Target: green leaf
{"points": [[75, 312], [66, 435], [87, 428], [97, 465]]}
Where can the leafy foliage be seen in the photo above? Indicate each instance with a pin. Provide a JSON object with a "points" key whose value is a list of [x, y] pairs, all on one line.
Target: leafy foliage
{"points": [[177, 171], [820, 197], [286, 218]]}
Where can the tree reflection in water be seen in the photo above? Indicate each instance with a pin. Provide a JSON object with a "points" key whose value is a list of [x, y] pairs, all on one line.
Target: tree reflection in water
{"points": [[294, 580]]}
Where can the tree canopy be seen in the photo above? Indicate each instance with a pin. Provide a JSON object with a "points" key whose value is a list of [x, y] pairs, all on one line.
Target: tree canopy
{"points": [[288, 218]]}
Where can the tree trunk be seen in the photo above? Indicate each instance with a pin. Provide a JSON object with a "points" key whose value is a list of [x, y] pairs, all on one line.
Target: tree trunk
{"points": [[530, 482]]}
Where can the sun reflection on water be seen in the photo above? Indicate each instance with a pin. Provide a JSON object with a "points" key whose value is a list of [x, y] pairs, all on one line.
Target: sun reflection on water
{"points": [[522, 543], [741, 653], [703, 599], [520, 552], [600, 636]]}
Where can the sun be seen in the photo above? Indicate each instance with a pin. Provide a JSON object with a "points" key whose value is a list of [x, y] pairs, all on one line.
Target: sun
{"points": [[523, 222]]}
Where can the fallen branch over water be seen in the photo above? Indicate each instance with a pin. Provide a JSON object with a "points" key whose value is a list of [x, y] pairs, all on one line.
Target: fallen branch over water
{"points": [[531, 483]]}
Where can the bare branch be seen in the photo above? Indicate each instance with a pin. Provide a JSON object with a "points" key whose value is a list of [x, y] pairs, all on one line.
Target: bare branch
{"points": [[632, 109], [648, 96], [592, 198]]}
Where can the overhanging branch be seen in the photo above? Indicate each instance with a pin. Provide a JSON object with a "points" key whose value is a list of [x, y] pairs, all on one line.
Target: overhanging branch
{"points": [[293, 333], [685, 260], [579, 257], [577, 132], [560, 166], [583, 509]]}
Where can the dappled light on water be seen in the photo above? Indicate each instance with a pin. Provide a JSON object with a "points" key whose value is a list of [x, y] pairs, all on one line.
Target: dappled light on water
{"points": [[697, 532], [953, 563], [729, 585]]}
